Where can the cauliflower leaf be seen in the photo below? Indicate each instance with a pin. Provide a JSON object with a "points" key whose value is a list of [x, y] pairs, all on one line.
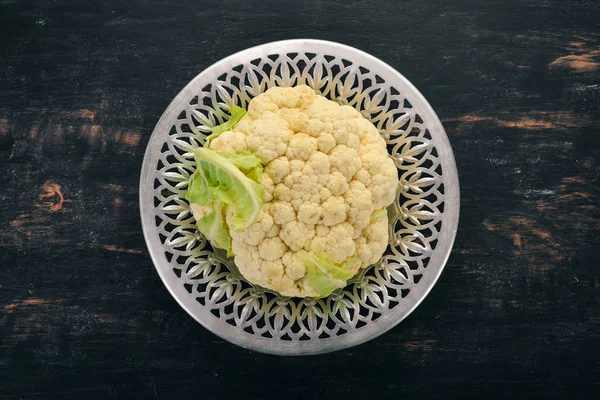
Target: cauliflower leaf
{"points": [[324, 276], [247, 162], [379, 214], [211, 222], [217, 179], [237, 113]]}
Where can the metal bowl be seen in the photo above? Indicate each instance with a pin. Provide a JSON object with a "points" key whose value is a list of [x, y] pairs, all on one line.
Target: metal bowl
{"points": [[423, 219]]}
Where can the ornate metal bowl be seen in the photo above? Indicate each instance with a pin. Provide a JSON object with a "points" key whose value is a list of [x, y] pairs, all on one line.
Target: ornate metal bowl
{"points": [[423, 220]]}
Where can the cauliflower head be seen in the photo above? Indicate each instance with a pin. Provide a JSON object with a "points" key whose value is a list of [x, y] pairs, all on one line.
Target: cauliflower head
{"points": [[326, 180]]}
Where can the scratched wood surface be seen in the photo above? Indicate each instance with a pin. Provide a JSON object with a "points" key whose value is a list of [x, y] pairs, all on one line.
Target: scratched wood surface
{"points": [[516, 312]]}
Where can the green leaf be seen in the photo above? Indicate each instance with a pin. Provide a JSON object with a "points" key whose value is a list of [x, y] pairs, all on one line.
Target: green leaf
{"points": [[217, 179], [237, 113], [379, 214], [324, 276], [211, 222], [247, 162], [198, 190]]}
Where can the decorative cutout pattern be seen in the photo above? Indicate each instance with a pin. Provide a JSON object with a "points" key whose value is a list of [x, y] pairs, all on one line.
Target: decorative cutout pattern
{"points": [[416, 217]]}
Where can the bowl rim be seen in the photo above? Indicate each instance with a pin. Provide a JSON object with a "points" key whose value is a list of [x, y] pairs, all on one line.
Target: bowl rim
{"points": [[383, 324]]}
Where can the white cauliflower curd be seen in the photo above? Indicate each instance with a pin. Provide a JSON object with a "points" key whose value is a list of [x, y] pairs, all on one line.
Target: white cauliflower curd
{"points": [[296, 190]]}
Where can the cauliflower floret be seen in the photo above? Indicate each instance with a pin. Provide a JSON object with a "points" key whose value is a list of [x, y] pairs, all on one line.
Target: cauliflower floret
{"points": [[309, 213], [359, 200], [294, 268], [302, 185], [383, 186], [288, 115], [363, 251], [353, 142], [272, 269], [278, 169], [326, 170], [248, 261], [337, 183], [318, 176], [268, 187], [322, 230], [322, 109], [377, 175], [363, 176], [301, 147], [319, 163], [272, 248], [296, 165], [326, 142], [274, 231], [368, 134], [324, 194], [297, 120], [270, 137], [288, 97], [370, 156], [255, 233], [345, 160], [343, 129], [349, 112], [296, 203], [282, 193], [229, 142], [314, 128], [261, 105], [371, 245], [337, 245], [297, 234], [299, 123], [282, 212], [334, 211]]}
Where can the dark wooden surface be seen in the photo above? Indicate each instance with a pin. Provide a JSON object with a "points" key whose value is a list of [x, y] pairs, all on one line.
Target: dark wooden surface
{"points": [[83, 313]]}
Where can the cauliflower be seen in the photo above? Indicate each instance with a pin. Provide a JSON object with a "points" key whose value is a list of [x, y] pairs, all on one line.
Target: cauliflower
{"points": [[325, 180]]}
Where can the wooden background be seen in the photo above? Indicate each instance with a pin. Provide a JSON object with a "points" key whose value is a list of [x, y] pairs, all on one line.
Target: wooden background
{"points": [[83, 313]]}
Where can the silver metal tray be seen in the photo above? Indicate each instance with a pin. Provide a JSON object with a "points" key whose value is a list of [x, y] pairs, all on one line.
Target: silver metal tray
{"points": [[423, 220]]}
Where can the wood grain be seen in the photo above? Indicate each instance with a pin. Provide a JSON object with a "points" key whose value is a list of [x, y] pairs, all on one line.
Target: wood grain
{"points": [[516, 312]]}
